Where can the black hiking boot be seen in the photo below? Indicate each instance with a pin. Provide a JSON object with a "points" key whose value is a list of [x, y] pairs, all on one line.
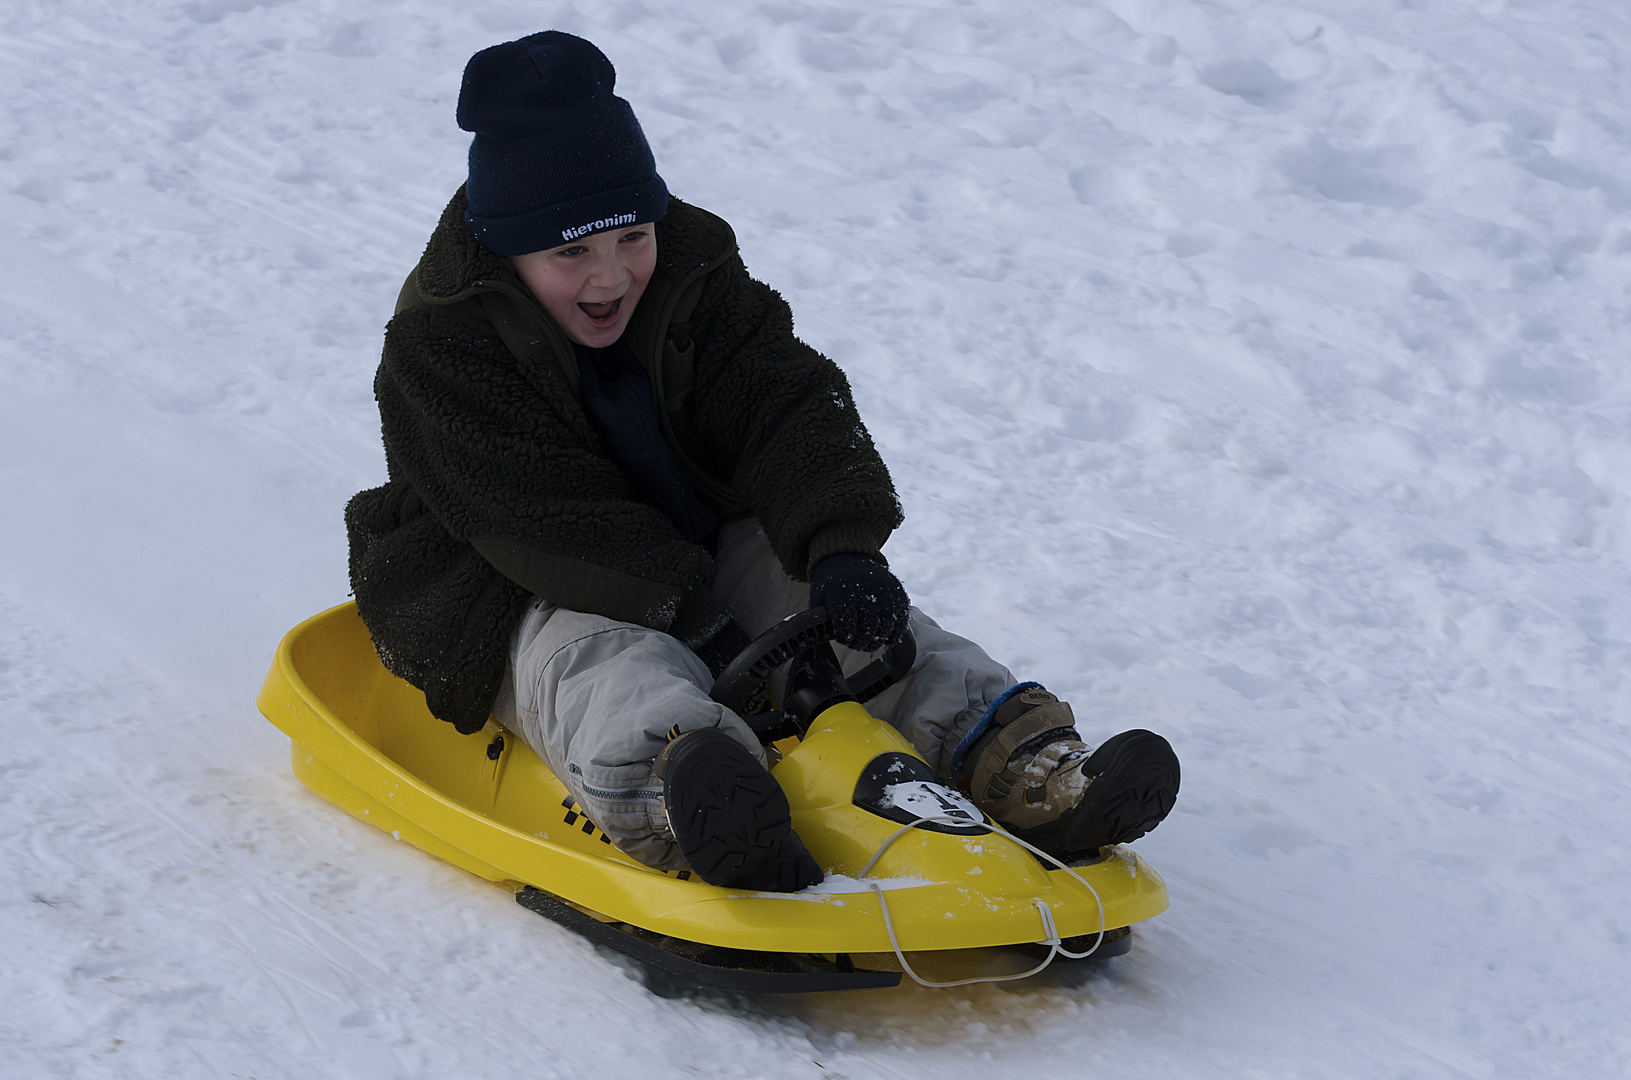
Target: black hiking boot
{"points": [[1032, 772], [730, 817]]}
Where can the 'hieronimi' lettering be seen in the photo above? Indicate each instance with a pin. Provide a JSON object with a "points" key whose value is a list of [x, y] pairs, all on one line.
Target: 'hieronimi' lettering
{"points": [[596, 226]]}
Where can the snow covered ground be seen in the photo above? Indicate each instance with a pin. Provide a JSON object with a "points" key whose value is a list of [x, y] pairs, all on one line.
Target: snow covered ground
{"points": [[1250, 371]]}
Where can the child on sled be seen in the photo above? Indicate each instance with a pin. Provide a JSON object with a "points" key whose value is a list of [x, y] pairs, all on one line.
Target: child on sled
{"points": [[611, 465]]}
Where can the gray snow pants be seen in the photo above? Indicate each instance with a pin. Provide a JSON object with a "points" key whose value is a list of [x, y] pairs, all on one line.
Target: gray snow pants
{"points": [[595, 698]]}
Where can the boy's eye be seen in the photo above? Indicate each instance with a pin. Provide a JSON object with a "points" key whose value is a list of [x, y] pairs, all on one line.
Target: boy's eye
{"points": [[575, 249], [637, 234]]}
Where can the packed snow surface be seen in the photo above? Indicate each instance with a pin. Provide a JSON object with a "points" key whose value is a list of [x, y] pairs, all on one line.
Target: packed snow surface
{"points": [[1252, 372]]}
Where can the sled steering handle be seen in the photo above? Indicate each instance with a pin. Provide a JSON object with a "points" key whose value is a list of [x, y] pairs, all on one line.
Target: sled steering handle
{"points": [[743, 686]]}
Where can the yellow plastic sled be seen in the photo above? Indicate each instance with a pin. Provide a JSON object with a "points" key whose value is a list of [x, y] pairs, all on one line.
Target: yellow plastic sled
{"points": [[364, 740]]}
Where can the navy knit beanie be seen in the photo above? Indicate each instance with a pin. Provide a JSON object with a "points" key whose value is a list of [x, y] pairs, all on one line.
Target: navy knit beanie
{"points": [[556, 154]]}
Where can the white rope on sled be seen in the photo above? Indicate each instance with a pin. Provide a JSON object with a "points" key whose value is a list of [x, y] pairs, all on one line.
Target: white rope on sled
{"points": [[1050, 929]]}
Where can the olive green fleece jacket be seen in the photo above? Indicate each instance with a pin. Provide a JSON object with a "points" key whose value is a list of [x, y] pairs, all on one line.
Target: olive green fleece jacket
{"points": [[500, 488]]}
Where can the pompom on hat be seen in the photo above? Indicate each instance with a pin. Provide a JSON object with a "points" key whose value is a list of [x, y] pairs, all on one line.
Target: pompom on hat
{"points": [[557, 155]]}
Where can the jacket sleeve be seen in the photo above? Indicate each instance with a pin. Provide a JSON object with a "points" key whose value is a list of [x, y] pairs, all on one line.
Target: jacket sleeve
{"points": [[784, 414], [507, 462], [440, 616]]}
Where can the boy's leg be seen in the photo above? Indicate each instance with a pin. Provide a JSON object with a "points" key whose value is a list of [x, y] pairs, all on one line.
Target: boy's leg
{"points": [[951, 685], [1013, 746], [596, 699], [952, 681]]}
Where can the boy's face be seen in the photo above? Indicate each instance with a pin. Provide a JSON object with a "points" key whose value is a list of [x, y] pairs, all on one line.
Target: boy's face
{"points": [[590, 286]]}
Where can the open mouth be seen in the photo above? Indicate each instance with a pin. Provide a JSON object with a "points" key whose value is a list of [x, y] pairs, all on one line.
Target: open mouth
{"points": [[602, 315]]}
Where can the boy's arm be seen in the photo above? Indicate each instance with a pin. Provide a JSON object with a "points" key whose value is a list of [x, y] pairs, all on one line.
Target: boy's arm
{"points": [[783, 413]]}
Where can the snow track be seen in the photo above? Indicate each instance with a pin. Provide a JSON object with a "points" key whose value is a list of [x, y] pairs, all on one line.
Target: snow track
{"points": [[1250, 372]]}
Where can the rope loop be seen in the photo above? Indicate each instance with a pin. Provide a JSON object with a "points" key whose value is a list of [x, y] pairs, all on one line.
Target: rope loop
{"points": [[1050, 928]]}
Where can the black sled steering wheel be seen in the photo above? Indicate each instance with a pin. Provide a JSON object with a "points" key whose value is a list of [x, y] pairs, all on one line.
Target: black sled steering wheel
{"points": [[814, 679]]}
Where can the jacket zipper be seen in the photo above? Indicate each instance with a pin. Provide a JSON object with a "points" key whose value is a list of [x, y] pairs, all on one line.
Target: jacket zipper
{"points": [[719, 491]]}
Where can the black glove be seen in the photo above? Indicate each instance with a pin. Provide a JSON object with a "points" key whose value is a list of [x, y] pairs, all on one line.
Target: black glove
{"points": [[867, 603], [718, 651]]}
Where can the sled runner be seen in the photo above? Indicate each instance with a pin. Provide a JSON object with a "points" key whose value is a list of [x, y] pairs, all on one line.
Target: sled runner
{"points": [[916, 879]]}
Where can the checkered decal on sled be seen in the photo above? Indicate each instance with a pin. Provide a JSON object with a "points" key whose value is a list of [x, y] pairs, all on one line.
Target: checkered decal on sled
{"points": [[574, 814]]}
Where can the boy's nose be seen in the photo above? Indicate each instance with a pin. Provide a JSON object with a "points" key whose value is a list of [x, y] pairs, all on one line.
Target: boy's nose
{"points": [[606, 273]]}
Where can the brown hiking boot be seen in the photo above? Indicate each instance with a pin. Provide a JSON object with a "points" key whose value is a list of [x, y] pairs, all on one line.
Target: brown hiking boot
{"points": [[1032, 772]]}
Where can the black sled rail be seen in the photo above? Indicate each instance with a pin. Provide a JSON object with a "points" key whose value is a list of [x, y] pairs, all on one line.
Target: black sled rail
{"points": [[673, 966]]}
